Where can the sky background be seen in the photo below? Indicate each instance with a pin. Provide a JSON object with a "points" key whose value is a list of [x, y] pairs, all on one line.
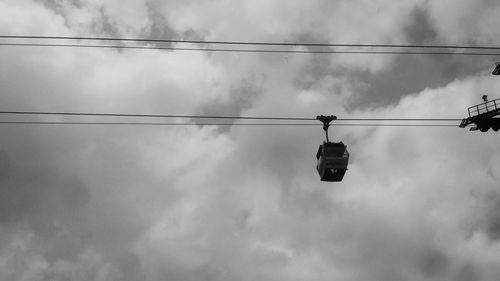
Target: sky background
{"points": [[246, 203]]}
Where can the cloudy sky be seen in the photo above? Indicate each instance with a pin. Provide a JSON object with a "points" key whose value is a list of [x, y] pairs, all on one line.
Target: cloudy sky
{"points": [[245, 203]]}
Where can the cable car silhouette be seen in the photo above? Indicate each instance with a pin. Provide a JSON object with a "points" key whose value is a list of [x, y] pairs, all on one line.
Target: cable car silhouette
{"points": [[332, 157]]}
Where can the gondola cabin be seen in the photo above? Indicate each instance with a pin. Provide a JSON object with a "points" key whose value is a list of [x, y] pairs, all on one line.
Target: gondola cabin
{"points": [[332, 161]]}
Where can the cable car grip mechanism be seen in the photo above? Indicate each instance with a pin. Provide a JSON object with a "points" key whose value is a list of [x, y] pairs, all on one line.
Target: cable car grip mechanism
{"points": [[326, 122]]}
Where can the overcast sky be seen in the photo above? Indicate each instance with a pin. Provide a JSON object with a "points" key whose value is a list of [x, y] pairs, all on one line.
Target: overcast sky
{"points": [[246, 203]]}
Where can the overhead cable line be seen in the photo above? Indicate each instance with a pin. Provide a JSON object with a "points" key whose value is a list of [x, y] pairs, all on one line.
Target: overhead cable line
{"points": [[153, 115], [398, 119], [254, 50], [214, 124], [217, 116], [145, 40]]}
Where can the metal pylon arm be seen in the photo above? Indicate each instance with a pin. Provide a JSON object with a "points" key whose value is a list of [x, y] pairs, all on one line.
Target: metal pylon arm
{"points": [[482, 115]]}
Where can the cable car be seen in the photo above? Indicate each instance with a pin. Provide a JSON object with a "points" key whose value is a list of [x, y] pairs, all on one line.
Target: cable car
{"points": [[332, 157], [332, 161]]}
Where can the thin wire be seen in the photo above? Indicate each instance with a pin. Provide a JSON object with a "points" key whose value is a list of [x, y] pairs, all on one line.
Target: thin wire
{"points": [[215, 124], [151, 123], [217, 116], [395, 125], [249, 43], [251, 50], [398, 119], [153, 115]]}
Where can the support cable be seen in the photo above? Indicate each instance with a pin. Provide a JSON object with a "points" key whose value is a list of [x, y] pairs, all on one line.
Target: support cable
{"points": [[144, 40], [255, 50], [153, 115], [217, 116], [213, 124]]}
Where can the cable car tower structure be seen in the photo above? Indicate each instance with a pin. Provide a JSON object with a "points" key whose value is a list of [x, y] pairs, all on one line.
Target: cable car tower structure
{"points": [[482, 116]]}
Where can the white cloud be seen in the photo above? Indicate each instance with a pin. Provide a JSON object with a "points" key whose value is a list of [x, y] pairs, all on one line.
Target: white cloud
{"points": [[41, 21]]}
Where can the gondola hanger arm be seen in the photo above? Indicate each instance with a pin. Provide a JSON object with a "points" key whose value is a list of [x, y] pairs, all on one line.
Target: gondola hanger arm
{"points": [[326, 119]]}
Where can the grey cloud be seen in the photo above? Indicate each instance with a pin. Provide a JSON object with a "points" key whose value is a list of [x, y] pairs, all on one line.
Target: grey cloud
{"points": [[467, 272], [66, 244], [491, 209], [406, 75], [130, 267], [316, 69], [309, 202], [433, 263], [39, 196], [409, 75], [58, 7], [104, 25], [93, 200], [38, 200], [160, 29], [241, 96], [42, 193], [419, 29], [100, 23], [4, 165], [464, 22]]}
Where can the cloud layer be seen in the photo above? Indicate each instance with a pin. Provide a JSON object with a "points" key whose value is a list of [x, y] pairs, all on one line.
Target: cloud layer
{"points": [[245, 203]]}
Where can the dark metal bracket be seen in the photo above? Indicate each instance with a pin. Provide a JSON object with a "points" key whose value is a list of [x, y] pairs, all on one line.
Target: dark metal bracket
{"points": [[481, 115], [326, 119]]}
